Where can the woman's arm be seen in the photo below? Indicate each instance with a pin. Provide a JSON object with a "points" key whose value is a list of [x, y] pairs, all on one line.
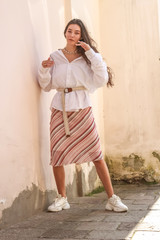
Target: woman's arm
{"points": [[99, 68], [44, 74]]}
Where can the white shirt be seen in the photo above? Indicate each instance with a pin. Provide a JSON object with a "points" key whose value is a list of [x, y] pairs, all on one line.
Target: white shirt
{"points": [[65, 74]]}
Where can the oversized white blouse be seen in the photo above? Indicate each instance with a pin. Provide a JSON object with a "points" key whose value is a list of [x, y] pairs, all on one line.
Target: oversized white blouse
{"points": [[65, 74]]}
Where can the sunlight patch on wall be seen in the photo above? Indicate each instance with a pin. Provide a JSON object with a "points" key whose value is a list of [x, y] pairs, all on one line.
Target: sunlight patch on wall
{"points": [[41, 29], [159, 17]]}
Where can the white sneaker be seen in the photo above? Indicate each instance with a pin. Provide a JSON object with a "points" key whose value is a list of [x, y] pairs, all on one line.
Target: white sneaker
{"points": [[114, 203], [59, 204]]}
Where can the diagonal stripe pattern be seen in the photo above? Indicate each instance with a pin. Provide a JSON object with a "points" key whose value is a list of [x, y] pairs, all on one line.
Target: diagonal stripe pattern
{"points": [[83, 145]]}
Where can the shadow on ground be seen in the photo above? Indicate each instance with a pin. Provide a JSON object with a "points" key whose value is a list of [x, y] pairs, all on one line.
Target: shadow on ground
{"points": [[87, 218]]}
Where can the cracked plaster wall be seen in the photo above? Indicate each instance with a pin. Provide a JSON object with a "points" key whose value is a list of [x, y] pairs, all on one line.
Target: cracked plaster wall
{"points": [[132, 109]]}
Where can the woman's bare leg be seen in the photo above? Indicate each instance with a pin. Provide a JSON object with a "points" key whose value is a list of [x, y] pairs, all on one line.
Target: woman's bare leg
{"points": [[103, 174], [59, 175]]}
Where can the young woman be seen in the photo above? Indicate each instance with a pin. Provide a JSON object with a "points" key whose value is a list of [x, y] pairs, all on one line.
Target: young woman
{"points": [[75, 71]]}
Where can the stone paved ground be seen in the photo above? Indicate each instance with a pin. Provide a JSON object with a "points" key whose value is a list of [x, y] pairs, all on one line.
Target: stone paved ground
{"points": [[87, 219]]}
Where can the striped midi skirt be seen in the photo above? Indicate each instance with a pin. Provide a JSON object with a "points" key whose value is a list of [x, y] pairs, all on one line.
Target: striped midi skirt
{"points": [[81, 146]]}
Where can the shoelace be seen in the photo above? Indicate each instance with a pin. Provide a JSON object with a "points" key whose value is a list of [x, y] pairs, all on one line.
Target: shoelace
{"points": [[57, 198], [116, 199]]}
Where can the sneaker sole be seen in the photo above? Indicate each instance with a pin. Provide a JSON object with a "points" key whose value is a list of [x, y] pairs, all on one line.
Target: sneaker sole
{"points": [[116, 210], [65, 207], [55, 210]]}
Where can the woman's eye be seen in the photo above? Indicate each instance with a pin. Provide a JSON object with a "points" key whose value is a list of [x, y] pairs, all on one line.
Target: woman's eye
{"points": [[76, 33]]}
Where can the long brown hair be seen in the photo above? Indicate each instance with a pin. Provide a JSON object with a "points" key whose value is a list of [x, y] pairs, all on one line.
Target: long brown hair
{"points": [[87, 39]]}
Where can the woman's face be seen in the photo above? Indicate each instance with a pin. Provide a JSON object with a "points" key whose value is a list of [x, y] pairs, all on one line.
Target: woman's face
{"points": [[73, 34]]}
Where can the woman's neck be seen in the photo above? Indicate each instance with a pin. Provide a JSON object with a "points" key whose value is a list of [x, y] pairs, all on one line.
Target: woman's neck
{"points": [[70, 48]]}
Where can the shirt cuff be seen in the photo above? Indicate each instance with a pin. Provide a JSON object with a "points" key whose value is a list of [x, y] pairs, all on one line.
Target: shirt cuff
{"points": [[90, 53], [44, 70]]}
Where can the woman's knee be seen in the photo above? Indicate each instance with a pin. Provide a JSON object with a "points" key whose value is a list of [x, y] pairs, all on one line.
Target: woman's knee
{"points": [[98, 162], [58, 169]]}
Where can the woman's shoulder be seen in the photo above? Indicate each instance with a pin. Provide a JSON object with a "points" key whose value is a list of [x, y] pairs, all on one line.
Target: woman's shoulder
{"points": [[55, 53]]}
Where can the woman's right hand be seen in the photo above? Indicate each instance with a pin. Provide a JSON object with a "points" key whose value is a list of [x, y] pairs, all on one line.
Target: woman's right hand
{"points": [[48, 63]]}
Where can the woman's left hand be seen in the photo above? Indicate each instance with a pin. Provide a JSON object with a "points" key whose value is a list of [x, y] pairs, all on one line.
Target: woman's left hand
{"points": [[84, 45]]}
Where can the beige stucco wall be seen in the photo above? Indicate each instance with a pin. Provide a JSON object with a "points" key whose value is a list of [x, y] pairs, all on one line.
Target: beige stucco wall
{"points": [[19, 99], [31, 30], [130, 42]]}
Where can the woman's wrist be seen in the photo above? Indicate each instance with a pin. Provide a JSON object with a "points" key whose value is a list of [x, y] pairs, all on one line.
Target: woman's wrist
{"points": [[84, 45]]}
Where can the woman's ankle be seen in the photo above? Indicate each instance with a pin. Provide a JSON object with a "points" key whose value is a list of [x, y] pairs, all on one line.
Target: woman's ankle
{"points": [[63, 195]]}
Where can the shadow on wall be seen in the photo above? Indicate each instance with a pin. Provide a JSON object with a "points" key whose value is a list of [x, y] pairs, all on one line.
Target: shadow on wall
{"points": [[31, 201], [28, 202]]}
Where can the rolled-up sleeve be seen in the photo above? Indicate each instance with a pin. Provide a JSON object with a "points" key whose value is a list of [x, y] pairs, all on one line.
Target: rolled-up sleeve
{"points": [[98, 67], [45, 78]]}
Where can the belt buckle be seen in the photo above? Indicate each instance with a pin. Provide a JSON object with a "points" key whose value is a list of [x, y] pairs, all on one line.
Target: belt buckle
{"points": [[67, 90]]}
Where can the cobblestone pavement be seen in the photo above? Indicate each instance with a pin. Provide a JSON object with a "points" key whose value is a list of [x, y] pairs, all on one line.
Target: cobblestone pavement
{"points": [[87, 218]]}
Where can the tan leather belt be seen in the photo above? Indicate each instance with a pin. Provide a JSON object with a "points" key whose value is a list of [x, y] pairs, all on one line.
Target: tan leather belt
{"points": [[65, 118]]}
